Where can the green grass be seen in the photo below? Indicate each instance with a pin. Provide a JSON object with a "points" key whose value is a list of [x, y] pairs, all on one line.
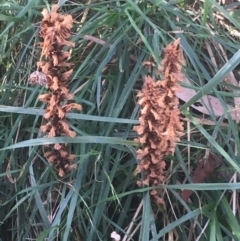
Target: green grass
{"points": [[101, 196]]}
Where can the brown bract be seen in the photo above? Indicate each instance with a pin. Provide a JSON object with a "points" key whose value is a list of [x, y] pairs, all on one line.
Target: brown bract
{"points": [[160, 126], [55, 32]]}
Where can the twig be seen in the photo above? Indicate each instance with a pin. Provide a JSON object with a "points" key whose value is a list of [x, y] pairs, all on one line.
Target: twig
{"points": [[125, 238]]}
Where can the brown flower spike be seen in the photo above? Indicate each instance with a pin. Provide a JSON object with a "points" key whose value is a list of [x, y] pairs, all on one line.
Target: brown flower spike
{"points": [[160, 126], [55, 31]]}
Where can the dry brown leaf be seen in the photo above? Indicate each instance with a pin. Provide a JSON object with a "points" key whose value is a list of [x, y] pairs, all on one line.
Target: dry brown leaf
{"points": [[203, 171], [209, 104]]}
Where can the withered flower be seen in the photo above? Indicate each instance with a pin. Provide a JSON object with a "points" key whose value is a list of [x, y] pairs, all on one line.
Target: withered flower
{"points": [[55, 74], [160, 126]]}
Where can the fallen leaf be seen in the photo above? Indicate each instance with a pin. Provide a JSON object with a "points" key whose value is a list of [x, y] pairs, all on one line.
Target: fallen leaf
{"points": [[202, 172]]}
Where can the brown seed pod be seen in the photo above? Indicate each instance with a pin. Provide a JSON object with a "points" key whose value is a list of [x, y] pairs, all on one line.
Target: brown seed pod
{"points": [[38, 78]]}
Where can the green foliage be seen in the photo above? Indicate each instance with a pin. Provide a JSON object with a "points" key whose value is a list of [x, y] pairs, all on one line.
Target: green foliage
{"points": [[101, 196]]}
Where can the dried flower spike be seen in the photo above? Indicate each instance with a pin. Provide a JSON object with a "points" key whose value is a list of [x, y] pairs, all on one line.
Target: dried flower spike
{"points": [[160, 126], [56, 72]]}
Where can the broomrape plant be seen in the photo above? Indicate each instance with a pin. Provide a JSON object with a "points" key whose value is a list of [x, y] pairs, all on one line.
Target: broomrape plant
{"points": [[160, 126], [56, 71], [101, 200]]}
